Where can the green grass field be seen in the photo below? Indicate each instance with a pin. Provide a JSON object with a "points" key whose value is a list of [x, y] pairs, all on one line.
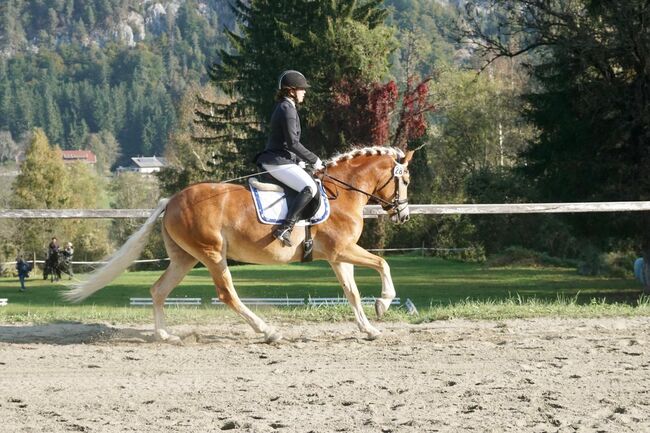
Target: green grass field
{"points": [[439, 288]]}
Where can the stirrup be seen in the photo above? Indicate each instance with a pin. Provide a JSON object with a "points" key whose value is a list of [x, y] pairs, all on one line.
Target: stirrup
{"points": [[283, 234]]}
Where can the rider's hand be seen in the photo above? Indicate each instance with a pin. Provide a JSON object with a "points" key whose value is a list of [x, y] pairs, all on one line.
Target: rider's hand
{"points": [[318, 165], [302, 164]]}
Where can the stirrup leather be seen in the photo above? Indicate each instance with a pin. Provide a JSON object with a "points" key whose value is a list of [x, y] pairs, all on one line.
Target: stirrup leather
{"points": [[283, 234]]}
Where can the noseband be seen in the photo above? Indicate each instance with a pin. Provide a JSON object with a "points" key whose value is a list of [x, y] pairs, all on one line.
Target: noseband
{"points": [[393, 207]]}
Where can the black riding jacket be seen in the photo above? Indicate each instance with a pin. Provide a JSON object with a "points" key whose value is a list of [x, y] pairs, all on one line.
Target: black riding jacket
{"points": [[283, 145]]}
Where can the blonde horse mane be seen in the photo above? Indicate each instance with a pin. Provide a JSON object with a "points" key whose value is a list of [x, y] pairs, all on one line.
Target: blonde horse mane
{"points": [[365, 151]]}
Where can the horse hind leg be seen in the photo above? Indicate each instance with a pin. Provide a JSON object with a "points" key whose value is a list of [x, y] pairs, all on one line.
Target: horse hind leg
{"points": [[180, 264], [218, 268], [173, 275]]}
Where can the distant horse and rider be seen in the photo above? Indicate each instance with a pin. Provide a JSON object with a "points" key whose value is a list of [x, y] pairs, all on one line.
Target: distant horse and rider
{"points": [[213, 222], [58, 261]]}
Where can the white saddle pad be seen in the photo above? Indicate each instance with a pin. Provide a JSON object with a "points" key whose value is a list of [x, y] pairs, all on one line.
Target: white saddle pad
{"points": [[271, 205]]}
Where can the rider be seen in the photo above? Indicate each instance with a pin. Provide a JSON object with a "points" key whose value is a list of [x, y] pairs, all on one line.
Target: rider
{"points": [[52, 248], [51, 262], [284, 155], [68, 252]]}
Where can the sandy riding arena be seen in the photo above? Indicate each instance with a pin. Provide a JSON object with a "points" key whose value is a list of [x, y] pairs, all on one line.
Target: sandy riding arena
{"points": [[548, 375]]}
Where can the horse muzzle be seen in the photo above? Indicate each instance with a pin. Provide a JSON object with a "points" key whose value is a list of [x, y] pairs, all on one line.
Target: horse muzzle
{"points": [[400, 214]]}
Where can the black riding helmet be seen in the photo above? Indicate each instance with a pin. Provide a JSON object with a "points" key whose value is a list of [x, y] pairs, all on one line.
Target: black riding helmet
{"points": [[292, 79]]}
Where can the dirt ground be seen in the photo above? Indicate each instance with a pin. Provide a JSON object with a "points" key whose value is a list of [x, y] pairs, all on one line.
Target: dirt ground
{"points": [[590, 375]]}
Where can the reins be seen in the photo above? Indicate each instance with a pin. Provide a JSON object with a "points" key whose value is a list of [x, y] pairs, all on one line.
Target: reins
{"points": [[354, 188], [250, 175]]}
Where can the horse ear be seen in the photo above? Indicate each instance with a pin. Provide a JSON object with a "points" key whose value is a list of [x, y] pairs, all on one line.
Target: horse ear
{"points": [[408, 156]]}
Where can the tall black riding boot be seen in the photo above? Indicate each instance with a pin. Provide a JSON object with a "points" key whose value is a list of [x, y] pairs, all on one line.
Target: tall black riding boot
{"points": [[283, 233]]}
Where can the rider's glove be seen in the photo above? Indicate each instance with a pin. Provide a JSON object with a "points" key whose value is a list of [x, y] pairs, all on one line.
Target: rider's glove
{"points": [[302, 164], [318, 165]]}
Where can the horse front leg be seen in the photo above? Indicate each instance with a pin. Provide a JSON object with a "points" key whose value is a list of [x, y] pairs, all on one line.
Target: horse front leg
{"points": [[356, 255], [345, 274]]}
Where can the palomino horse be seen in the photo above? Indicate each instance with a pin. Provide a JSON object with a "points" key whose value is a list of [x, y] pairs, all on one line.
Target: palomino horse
{"points": [[211, 222]]}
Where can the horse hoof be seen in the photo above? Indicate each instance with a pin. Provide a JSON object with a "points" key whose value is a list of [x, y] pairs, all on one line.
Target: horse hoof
{"points": [[166, 337], [272, 337], [175, 340], [373, 335], [380, 308]]}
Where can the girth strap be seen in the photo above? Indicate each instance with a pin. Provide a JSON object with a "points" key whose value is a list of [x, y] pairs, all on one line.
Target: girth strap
{"points": [[308, 245]]}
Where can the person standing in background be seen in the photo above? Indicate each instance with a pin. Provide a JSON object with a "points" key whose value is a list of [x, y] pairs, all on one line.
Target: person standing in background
{"points": [[23, 269]]}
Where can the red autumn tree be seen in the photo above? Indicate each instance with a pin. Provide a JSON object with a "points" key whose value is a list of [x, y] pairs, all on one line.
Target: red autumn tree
{"points": [[412, 122], [364, 114], [360, 112]]}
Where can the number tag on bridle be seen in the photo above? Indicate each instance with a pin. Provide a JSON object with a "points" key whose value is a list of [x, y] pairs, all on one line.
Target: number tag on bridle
{"points": [[398, 171]]}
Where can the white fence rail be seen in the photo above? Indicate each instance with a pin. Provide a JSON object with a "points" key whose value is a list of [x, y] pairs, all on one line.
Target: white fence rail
{"points": [[75, 213], [141, 302], [326, 302], [278, 302], [42, 262], [517, 208], [369, 211], [270, 302]]}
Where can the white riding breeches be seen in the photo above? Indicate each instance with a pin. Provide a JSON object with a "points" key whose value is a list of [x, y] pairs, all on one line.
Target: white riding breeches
{"points": [[292, 176]]}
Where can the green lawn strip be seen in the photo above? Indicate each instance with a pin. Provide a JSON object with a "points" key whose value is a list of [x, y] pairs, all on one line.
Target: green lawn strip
{"points": [[440, 289]]}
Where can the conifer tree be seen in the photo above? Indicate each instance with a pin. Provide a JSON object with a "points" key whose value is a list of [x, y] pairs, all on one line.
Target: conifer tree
{"points": [[327, 41], [8, 147], [187, 158]]}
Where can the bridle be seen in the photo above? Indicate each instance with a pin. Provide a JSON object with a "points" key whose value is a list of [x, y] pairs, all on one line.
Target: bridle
{"points": [[394, 207]]}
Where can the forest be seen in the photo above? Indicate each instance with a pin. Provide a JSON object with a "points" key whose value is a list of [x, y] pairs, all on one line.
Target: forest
{"points": [[511, 102]]}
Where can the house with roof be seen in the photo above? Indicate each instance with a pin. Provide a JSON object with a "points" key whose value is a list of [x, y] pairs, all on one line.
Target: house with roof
{"points": [[85, 156], [145, 164]]}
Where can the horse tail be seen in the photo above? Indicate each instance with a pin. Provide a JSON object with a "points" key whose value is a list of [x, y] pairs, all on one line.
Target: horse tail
{"points": [[121, 260]]}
